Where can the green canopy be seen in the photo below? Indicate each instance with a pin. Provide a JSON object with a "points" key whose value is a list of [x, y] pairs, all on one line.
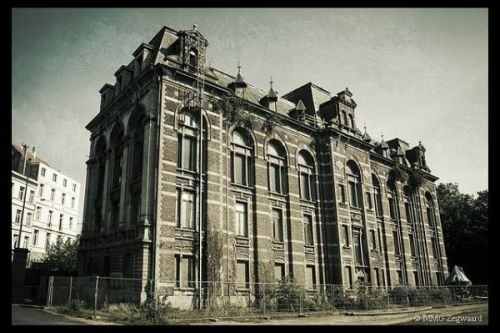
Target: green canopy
{"points": [[457, 277]]}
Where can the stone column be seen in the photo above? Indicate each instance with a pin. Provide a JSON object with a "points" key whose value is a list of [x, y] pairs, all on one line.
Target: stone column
{"points": [[89, 195], [148, 176], [124, 182], [106, 189]]}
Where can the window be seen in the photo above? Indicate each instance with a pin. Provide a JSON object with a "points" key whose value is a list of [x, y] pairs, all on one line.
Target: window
{"points": [[241, 219], [377, 276], [377, 196], [54, 177], [430, 209], [61, 216], [188, 153], [391, 194], [359, 257], [186, 149], [241, 156], [40, 190], [47, 241], [277, 167], [369, 200], [433, 246], [16, 241], [71, 223], [341, 193], [395, 236], [186, 209], [26, 242], [52, 194], [379, 234], [49, 219], [412, 244], [184, 277], [279, 271], [373, 240], [345, 235], [38, 213], [408, 204], [308, 229], [31, 198], [415, 277], [306, 176], [65, 182], [35, 237], [310, 277], [28, 219], [193, 59], [354, 179], [277, 217], [351, 121], [117, 143], [242, 276], [348, 276], [18, 216], [42, 172], [343, 118], [127, 266], [400, 277], [63, 198], [72, 202], [21, 193], [74, 187]]}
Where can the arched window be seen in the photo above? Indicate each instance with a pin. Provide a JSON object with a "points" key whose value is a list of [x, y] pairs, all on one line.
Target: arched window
{"points": [[241, 158], [391, 196], [377, 196], [351, 121], [429, 205], [348, 121], [187, 153], [307, 181], [354, 181], [136, 131], [343, 118], [277, 165], [117, 145], [100, 154]]}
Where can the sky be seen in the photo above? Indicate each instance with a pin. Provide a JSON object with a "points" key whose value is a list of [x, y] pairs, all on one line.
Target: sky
{"points": [[416, 74]]}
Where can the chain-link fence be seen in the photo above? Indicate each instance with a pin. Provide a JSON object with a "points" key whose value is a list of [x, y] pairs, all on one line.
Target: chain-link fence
{"points": [[218, 300]]}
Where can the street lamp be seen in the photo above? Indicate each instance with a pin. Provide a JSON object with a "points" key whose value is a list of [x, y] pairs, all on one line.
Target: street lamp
{"points": [[25, 148]]}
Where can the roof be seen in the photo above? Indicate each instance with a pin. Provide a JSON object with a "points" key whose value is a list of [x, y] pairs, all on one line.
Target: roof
{"points": [[252, 93], [311, 95], [34, 159]]}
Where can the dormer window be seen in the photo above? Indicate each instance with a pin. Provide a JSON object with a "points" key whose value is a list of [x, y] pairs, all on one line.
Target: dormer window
{"points": [[193, 59], [343, 118], [351, 121], [272, 105]]}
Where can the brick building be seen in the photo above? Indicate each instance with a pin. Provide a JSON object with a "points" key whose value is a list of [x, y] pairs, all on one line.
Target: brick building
{"points": [[290, 185]]}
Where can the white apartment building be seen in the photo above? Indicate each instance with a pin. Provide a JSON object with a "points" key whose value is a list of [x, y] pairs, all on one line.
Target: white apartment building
{"points": [[51, 207]]}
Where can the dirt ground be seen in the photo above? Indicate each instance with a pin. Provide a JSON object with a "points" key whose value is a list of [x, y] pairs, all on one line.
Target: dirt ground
{"points": [[474, 314]]}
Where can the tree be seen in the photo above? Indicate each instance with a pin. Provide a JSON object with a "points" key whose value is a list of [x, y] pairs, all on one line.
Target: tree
{"points": [[465, 227], [62, 257]]}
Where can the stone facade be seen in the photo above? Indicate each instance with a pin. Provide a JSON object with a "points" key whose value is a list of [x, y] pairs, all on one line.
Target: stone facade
{"points": [[310, 196]]}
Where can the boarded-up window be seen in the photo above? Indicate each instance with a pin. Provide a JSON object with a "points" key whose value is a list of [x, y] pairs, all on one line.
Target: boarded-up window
{"points": [[279, 271], [184, 277], [310, 277], [277, 216], [242, 276]]}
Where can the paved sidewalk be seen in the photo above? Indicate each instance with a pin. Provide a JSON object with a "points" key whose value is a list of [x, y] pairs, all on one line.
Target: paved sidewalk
{"points": [[38, 315]]}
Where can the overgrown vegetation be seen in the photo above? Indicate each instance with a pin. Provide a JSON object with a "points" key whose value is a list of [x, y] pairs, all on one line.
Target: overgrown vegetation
{"points": [[234, 111], [398, 174], [62, 258], [464, 219]]}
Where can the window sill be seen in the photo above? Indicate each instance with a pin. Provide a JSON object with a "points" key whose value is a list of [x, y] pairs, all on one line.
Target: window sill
{"points": [[246, 187], [346, 246]]}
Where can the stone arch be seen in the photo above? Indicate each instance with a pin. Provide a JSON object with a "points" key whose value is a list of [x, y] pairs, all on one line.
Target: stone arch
{"points": [[182, 109], [278, 138]]}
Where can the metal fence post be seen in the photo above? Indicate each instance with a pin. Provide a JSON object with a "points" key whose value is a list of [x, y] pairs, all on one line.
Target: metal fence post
{"points": [[95, 295], [70, 288], [50, 291]]}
